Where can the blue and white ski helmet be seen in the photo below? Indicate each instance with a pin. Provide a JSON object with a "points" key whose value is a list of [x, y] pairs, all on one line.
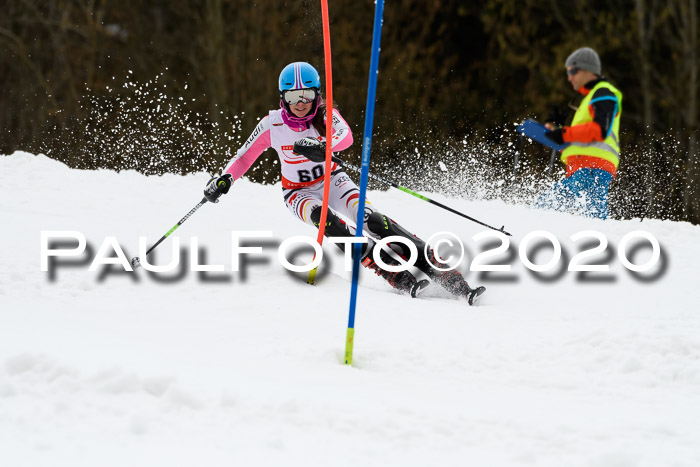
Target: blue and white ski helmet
{"points": [[299, 75]]}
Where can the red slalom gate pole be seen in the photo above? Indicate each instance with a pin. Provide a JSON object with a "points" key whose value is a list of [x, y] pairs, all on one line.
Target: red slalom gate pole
{"points": [[329, 129]]}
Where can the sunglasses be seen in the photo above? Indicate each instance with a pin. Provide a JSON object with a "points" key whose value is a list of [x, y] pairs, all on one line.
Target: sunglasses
{"points": [[572, 71], [294, 96]]}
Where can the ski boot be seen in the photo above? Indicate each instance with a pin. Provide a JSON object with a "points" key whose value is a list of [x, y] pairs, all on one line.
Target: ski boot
{"points": [[451, 280], [402, 280]]}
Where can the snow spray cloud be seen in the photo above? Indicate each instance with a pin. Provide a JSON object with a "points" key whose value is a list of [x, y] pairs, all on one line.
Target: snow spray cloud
{"points": [[497, 258], [154, 127], [475, 166]]}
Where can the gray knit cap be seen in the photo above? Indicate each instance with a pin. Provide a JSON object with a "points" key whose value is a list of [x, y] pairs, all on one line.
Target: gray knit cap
{"points": [[585, 58]]}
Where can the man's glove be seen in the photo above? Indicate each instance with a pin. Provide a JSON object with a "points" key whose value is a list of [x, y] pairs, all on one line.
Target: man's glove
{"points": [[311, 148], [218, 186], [556, 116], [556, 135]]}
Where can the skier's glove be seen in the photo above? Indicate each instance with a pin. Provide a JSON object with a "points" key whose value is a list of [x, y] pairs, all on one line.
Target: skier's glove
{"points": [[556, 116], [218, 186], [311, 148], [556, 135]]}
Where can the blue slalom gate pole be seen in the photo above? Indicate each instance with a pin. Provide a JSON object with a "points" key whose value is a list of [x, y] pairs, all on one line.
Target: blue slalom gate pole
{"points": [[364, 174]]}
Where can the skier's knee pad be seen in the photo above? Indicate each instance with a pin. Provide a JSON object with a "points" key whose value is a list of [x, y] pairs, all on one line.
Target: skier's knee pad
{"points": [[316, 216], [335, 226], [383, 226], [379, 224]]}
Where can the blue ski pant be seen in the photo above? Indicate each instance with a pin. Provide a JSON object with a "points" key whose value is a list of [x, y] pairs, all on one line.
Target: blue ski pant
{"points": [[585, 193]]}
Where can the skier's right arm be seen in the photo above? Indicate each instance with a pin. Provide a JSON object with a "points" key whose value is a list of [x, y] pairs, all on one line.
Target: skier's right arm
{"points": [[255, 145], [258, 142]]}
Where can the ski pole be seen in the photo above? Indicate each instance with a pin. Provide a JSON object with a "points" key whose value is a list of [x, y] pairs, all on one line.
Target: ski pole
{"points": [[552, 156], [516, 157], [418, 195], [136, 262]]}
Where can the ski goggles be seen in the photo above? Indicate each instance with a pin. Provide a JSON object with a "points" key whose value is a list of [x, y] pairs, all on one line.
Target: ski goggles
{"points": [[294, 96], [572, 71]]}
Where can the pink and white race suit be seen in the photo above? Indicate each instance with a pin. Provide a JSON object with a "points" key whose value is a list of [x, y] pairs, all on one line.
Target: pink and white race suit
{"points": [[302, 179]]}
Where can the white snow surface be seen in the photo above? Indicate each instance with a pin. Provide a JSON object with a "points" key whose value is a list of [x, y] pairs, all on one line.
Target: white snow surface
{"points": [[131, 371]]}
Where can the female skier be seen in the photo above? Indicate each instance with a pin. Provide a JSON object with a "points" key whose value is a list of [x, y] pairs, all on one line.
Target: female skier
{"points": [[297, 132]]}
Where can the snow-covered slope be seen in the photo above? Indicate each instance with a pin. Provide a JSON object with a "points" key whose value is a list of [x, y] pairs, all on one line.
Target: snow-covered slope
{"points": [[123, 369]]}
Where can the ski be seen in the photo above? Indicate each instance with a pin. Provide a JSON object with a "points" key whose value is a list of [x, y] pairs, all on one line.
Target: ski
{"points": [[472, 295]]}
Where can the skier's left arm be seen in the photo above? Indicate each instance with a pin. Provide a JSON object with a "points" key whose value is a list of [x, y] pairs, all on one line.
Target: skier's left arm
{"points": [[603, 108], [342, 136]]}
